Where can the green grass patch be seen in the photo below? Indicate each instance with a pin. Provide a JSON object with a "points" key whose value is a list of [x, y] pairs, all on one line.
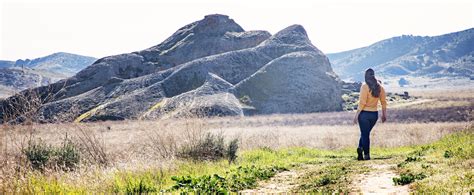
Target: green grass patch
{"points": [[38, 183], [442, 166], [330, 177], [235, 180], [133, 183], [407, 178]]}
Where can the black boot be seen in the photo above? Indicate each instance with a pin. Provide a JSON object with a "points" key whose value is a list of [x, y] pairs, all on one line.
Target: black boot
{"points": [[359, 154], [367, 156]]}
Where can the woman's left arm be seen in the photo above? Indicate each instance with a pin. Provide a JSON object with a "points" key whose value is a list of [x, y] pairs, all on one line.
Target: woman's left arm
{"points": [[356, 117], [362, 101]]}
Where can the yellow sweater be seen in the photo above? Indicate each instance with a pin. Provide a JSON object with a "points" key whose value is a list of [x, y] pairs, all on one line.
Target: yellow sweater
{"points": [[368, 102]]}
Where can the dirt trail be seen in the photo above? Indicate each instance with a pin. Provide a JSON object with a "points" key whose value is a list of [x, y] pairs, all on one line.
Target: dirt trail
{"points": [[281, 183], [378, 181]]}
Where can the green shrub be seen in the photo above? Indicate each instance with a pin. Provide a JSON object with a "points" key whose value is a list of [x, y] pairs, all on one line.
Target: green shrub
{"points": [[407, 178], [210, 147], [67, 156], [232, 150], [448, 154], [245, 100], [38, 153]]}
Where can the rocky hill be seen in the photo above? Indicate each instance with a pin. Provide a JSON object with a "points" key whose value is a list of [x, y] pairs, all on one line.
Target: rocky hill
{"points": [[23, 74], [16, 79], [210, 67], [449, 55]]}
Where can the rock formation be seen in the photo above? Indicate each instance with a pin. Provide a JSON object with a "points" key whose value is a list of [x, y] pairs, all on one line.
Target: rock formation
{"points": [[206, 68]]}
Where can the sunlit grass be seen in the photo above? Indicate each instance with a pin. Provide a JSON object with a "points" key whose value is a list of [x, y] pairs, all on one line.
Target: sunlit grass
{"points": [[327, 170], [447, 164]]}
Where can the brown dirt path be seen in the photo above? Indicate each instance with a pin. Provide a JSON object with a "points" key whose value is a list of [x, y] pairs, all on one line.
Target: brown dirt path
{"points": [[378, 181], [281, 183]]}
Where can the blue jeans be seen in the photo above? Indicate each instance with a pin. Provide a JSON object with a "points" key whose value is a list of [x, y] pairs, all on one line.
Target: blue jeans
{"points": [[367, 121]]}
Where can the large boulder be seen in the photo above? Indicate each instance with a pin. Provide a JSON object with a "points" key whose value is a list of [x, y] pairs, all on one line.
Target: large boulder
{"points": [[211, 99], [298, 82]]}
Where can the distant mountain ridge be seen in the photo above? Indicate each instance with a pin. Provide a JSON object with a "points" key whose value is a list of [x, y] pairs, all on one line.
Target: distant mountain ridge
{"points": [[63, 63], [448, 55], [22, 74]]}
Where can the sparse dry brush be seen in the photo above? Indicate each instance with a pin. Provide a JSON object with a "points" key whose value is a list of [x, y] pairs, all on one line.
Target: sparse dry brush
{"points": [[27, 155], [92, 146], [163, 144]]}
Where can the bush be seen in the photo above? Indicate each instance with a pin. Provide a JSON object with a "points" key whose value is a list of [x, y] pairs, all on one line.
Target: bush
{"points": [[232, 150], [67, 156], [210, 147], [38, 153]]}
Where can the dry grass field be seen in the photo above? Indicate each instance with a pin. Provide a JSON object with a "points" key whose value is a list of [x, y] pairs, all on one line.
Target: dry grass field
{"points": [[109, 149]]}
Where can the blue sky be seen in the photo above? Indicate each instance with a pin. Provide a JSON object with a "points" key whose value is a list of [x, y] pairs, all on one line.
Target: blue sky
{"points": [[34, 28]]}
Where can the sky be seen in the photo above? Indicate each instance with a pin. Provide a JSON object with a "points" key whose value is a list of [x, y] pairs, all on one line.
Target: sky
{"points": [[35, 28]]}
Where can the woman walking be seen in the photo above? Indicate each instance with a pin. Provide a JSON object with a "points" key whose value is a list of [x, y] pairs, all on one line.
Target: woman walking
{"points": [[370, 93]]}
